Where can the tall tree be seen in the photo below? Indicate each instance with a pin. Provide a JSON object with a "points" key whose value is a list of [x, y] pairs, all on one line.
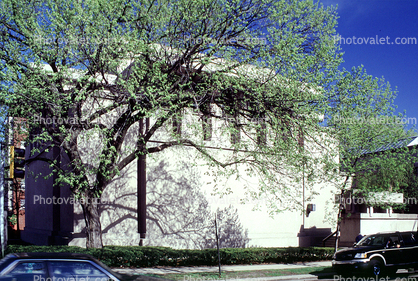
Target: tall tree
{"points": [[372, 141], [85, 74]]}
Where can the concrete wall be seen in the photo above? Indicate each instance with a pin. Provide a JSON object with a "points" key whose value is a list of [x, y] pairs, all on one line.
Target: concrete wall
{"points": [[350, 228], [379, 222], [181, 205], [182, 199], [369, 223], [48, 216]]}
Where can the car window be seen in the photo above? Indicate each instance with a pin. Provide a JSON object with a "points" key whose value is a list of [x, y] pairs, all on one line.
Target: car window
{"points": [[102, 265], [372, 240], [410, 239], [393, 242], [29, 268], [27, 271], [6, 261], [76, 269]]}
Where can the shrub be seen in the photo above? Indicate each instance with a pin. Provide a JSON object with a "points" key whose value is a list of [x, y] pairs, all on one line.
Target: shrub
{"points": [[137, 256]]}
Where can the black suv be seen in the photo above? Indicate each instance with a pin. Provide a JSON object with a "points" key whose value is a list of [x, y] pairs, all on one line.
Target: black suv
{"points": [[377, 254]]}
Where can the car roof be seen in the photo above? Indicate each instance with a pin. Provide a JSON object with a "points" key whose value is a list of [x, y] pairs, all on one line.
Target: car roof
{"points": [[391, 232], [8, 259], [43, 255]]}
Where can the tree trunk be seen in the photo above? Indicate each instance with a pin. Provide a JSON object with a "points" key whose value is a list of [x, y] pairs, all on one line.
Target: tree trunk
{"points": [[92, 220], [337, 237], [340, 212], [339, 219]]}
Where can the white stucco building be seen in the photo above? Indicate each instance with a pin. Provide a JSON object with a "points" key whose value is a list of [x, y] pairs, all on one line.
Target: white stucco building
{"points": [[181, 201], [183, 196]]}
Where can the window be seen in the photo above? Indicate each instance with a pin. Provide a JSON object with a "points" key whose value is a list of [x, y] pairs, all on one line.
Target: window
{"points": [[76, 269], [261, 132], [207, 127], [372, 241], [28, 271], [177, 125], [235, 134], [29, 268], [301, 138], [207, 110], [234, 129], [410, 239], [393, 242]]}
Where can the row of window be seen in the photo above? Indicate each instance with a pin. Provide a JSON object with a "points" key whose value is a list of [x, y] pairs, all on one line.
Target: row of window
{"points": [[207, 129]]}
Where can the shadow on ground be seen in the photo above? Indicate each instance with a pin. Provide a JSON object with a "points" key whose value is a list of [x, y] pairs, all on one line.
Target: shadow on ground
{"points": [[326, 273], [127, 277]]}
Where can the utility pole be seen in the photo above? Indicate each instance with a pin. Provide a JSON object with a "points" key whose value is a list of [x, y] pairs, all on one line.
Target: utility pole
{"points": [[217, 244], [142, 185]]}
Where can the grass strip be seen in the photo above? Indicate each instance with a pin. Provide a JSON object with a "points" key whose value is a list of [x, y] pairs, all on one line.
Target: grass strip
{"points": [[247, 274]]}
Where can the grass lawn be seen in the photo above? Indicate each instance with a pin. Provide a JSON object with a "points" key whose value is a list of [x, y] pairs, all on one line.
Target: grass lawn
{"points": [[247, 274]]}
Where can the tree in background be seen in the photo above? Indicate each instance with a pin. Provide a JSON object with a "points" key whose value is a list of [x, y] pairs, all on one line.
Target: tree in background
{"points": [[374, 159], [230, 230]]}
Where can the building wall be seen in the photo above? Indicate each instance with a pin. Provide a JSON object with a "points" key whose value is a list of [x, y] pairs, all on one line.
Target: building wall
{"points": [[369, 223], [380, 222], [181, 207], [182, 200], [49, 218]]}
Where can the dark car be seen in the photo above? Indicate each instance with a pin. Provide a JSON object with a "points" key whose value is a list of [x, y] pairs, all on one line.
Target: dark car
{"points": [[378, 254], [54, 266]]}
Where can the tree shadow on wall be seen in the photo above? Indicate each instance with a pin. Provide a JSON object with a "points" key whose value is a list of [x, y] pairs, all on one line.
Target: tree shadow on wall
{"points": [[230, 231], [179, 215]]}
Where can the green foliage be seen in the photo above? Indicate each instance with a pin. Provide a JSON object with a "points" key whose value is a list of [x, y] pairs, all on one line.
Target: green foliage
{"points": [[372, 141], [372, 137], [12, 219], [93, 70], [130, 256]]}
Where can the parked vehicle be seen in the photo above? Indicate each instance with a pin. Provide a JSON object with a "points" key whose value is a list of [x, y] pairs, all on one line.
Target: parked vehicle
{"points": [[379, 254], [54, 266]]}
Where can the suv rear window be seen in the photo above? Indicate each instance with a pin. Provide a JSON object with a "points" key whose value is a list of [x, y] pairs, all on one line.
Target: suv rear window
{"points": [[410, 239]]}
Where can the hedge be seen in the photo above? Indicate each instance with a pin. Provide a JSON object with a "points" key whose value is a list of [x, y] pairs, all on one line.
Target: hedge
{"points": [[137, 256]]}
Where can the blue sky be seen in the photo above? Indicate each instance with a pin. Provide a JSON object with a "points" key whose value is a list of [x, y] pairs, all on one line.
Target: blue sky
{"points": [[389, 21]]}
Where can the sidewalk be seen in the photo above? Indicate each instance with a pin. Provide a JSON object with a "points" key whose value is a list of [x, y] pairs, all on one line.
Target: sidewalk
{"points": [[186, 269]]}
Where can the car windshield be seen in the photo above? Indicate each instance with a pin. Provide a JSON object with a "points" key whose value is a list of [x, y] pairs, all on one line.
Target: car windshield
{"points": [[372, 240], [6, 261], [117, 275]]}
